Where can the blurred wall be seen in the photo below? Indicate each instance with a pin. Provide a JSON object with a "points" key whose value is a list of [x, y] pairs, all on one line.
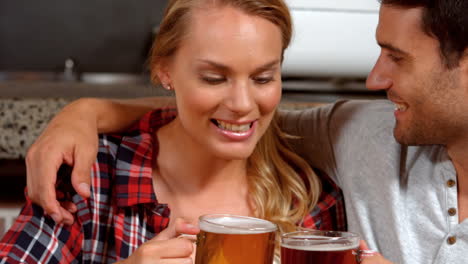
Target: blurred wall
{"points": [[101, 35]]}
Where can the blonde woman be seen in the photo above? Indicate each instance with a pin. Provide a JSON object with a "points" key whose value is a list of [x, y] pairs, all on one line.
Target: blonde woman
{"points": [[220, 152]]}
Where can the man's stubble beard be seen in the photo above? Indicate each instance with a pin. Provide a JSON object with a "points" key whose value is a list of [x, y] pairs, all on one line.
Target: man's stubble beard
{"points": [[436, 114]]}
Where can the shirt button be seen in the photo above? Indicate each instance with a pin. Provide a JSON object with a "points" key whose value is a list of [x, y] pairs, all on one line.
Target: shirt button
{"points": [[452, 240], [452, 211], [451, 183]]}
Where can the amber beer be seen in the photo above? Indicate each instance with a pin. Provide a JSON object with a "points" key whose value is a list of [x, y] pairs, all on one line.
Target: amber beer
{"points": [[231, 239], [319, 247]]}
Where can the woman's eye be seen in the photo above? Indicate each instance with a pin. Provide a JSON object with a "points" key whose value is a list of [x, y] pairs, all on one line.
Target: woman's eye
{"points": [[213, 80]]}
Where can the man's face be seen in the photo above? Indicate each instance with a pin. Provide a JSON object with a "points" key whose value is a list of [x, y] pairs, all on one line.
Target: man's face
{"points": [[431, 101]]}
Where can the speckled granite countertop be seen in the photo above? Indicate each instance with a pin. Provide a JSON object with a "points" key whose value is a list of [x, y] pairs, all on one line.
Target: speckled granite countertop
{"points": [[21, 121], [27, 106]]}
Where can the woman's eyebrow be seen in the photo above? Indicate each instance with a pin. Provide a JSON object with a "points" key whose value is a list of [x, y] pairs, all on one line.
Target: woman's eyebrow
{"points": [[223, 67], [267, 66]]}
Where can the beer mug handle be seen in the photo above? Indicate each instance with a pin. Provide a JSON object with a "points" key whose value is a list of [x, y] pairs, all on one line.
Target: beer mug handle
{"points": [[192, 238]]}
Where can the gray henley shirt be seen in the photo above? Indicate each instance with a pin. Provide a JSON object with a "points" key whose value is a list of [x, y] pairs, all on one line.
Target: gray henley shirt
{"points": [[401, 199]]}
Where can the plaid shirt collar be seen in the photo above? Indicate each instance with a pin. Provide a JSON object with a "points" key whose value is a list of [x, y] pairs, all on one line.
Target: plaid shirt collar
{"points": [[136, 152]]}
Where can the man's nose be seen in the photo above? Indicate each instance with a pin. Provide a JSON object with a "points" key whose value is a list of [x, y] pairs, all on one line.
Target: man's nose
{"points": [[379, 78]]}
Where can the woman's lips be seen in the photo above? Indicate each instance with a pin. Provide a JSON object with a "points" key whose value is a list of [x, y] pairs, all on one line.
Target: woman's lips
{"points": [[236, 132], [239, 128]]}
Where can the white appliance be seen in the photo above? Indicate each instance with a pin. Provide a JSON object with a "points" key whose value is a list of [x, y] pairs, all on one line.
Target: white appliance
{"points": [[332, 38]]}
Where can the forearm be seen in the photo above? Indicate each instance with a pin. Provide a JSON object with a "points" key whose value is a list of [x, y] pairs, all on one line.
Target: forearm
{"points": [[117, 115], [113, 115]]}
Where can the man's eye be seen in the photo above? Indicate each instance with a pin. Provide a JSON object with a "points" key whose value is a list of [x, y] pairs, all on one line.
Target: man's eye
{"points": [[394, 58]]}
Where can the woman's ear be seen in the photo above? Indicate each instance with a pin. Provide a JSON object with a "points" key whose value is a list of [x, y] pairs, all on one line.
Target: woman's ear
{"points": [[163, 72]]}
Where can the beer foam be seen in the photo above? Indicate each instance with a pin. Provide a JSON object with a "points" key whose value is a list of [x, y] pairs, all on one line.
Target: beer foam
{"points": [[322, 247], [236, 225], [320, 243]]}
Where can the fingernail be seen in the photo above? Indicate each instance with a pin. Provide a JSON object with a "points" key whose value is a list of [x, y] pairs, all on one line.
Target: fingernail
{"points": [[191, 238], [84, 188], [72, 209], [56, 217], [191, 226]]}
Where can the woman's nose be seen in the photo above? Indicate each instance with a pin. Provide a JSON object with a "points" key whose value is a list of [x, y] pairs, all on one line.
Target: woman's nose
{"points": [[240, 98]]}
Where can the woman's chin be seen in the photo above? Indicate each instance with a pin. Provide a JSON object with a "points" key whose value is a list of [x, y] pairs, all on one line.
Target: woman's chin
{"points": [[234, 153]]}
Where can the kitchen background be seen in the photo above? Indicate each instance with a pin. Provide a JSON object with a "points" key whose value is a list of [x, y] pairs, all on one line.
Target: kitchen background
{"points": [[54, 51]]}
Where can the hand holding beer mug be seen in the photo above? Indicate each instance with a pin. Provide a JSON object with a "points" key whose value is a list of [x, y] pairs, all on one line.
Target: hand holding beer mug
{"points": [[319, 247], [232, 239]]}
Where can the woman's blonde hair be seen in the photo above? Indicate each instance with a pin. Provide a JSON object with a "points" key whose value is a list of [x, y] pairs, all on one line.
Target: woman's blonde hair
{"points": [[282, 186]]}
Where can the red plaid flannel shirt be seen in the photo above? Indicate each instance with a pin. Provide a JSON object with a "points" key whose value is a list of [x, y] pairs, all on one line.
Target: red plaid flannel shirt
{"points": [[122, 212]]}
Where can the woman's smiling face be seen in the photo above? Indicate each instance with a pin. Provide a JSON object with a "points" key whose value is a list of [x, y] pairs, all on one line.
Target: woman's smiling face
{"points": [[227, 80]]}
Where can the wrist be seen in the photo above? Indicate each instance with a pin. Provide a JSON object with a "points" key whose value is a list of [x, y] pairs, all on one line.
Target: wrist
{"points": [[77, 111], [89, 110]]}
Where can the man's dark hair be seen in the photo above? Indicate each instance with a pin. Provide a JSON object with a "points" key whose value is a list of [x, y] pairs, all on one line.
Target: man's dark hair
{"points": [[446, 20]]}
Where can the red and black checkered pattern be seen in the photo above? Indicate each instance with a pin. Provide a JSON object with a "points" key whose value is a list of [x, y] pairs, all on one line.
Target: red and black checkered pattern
{"points": [[122, 212]]}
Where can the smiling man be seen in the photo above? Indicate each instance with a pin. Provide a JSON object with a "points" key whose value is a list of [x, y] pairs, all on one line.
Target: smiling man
{"points": [[402, 163]]}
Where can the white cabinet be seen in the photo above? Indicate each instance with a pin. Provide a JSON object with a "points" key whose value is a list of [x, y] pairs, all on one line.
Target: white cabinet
{"points": [[332, 38], [357, 5]]}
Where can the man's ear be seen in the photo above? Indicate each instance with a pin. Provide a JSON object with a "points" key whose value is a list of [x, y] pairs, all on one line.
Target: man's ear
{"points": [[463, 64], [464, 58]]}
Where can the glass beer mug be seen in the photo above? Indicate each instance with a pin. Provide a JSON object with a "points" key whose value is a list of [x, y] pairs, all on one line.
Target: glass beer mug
{"points": [[319, 247], [232, 239]]}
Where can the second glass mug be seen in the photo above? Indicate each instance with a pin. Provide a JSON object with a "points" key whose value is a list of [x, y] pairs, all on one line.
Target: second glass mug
{"points": [[232, 239], [313, 246]]}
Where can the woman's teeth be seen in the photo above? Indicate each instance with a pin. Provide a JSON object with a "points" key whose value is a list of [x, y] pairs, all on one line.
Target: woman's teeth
{"points": [[233, 127], [401, 107]]}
